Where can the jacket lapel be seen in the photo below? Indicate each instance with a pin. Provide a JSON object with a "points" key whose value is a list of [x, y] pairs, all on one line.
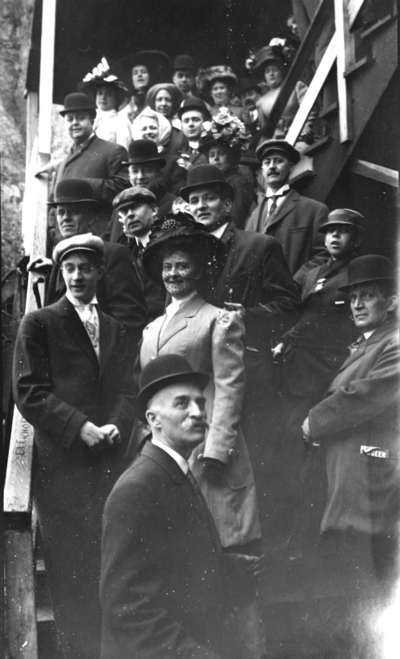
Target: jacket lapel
{"points": [[105, 338], [285, 207], [74, 326], [179, 321], [387, 327]]}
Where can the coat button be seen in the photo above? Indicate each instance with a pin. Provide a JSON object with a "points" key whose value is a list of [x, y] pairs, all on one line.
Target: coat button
{"points": [[231, 452], [200, 456]]}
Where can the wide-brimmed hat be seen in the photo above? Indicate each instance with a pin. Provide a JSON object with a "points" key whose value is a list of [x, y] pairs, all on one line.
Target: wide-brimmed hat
{"points": [[183, 63], [204, 176], [84, 242], [156, 61], [194, 103], [122, 92], [245, 84], [174, 92], [265, 55], [73, 191], [178, 227], [78, 102], [214, 73], [369, 268], [135, 195], [343, 216], [278, 145], [161, 372], [142, 151]]}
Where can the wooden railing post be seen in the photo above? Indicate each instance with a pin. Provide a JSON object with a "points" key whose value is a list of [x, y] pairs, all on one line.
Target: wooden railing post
{"points": [[344, 56]]}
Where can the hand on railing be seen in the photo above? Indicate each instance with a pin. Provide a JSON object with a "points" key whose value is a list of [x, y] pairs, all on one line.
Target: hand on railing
{"points": [[50, 168], [40, 265]]}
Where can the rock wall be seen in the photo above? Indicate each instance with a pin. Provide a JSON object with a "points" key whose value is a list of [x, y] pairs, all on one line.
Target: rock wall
{"points": [[15, 31]]}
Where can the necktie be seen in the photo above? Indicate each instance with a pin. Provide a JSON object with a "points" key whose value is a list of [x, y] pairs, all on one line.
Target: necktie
{"points": [[273, 206], [353, 347], [90, 322]]}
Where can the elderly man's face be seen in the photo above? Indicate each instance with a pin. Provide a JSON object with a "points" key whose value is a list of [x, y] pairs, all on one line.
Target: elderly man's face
{"points": [[184, 80], [208, 207], [369, 307], [74, 219], [137, 219], [146, 175], [276, 169], [79, 125], [80, 275], [178, 414]]}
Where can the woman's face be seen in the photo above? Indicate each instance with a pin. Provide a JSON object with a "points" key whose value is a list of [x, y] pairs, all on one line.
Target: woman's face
{"points": [[219, 157], [140, 77], [179, 274], [149, 129], [106, 98], [220, 92], [273, 75], [163, 103]]}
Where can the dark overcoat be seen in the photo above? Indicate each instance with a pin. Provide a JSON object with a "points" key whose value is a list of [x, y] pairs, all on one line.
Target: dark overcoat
{"points": [[295, 225], [360, 412], [101, 164], [162, 582], [119, 293], [58, 385]]}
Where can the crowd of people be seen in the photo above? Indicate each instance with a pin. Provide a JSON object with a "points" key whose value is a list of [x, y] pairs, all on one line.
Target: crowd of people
{"points": [[194, 340]]}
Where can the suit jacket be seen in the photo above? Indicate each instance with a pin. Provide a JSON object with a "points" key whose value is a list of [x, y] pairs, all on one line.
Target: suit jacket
{"points": [[361, 409], [101, 164], [58, 385], [295, 225], [244, 196], [119, 293], [255, 275], [162, 582], [212, 342]]}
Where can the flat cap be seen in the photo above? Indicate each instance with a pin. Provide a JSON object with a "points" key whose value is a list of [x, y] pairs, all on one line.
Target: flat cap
{"points": [[135, 195], [85, 242], [278, 145], [343, 216]]}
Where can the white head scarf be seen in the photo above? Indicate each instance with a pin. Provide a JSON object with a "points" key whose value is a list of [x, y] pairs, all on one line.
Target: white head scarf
{"points": [[164, 127]]}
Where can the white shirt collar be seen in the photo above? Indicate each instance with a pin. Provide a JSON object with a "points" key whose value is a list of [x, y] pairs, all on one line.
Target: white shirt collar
{"points": [[175, 305], [180, 461], [218, 233], [78, 303], [194, 144], [368, 334], [143, 239], [285, 188]]}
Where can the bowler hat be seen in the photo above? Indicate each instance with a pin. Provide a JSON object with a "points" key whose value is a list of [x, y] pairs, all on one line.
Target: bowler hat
{"points": [[142, 151], [184, 62], [73, 191], [179, 226], [278, 145], [135, 195], [161, 372], [194, 103], [343, 216], [245, 84], [267, 54], [78, 102], [369, 268], [84, 242], [204, 176]]}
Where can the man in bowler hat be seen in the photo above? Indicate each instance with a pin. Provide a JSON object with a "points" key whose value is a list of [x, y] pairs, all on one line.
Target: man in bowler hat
{"points": [[286, 215], [164, 580], [118, 292], [73, 384]]}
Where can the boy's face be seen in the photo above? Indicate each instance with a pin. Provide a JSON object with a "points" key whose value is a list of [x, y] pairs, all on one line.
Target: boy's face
{"points": [[340, 240]]}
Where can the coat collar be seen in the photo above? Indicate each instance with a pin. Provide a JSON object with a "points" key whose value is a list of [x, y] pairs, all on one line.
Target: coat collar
{"points": [[284, 208], [77, 152], [179, 321], [377, 336], [165, 461]]}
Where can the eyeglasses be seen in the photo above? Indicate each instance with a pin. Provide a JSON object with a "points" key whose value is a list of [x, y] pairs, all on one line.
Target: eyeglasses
{"points": [[84, 268]]}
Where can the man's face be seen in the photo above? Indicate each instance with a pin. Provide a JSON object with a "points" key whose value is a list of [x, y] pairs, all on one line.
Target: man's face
{"points": [[369, 307], [79, 125], [137, 219], [340, 241], [140, 77], [106, 98], [74, 219], [249, 98], [80, 276], [146, 175], [184, 80], [208, 207], [276, 169], [179, 274], [218, 156], [179, 415], [192, 123]]}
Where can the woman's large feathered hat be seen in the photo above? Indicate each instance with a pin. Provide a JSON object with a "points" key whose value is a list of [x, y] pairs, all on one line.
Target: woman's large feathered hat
{"points": [[101, 77], [180, 228], [157, 63]]}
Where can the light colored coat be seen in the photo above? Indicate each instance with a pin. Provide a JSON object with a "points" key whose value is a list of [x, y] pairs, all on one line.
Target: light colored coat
{"points": [[211, 339], [361, 410]]}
